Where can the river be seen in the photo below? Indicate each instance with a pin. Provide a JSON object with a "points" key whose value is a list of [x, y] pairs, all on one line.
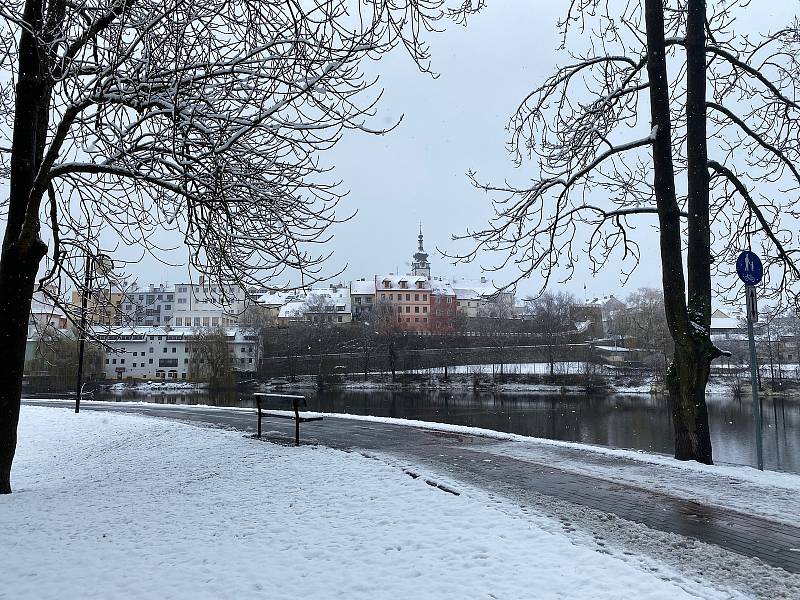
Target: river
{"points": [[637, 421]]}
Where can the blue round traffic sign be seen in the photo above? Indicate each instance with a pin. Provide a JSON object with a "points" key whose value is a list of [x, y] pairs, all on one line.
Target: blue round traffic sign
{"points": [[749, 268]]}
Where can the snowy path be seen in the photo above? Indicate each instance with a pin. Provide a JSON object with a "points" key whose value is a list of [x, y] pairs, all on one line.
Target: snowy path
{"points": [[622, 500], [119, 506]]}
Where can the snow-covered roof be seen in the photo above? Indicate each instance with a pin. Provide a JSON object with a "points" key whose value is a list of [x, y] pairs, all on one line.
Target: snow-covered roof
{"points": [[725, 323], [362, 287], [296, 308], [276, 298], [442, 288], [468, 289], [394, 281], [152, 287], [41, 305], [110, 333]]}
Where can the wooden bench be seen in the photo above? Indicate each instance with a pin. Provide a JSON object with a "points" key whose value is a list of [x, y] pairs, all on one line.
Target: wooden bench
{"points": [[296, 403]]}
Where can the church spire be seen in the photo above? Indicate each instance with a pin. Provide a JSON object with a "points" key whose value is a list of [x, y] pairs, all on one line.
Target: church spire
{"points": [[421, 266]]}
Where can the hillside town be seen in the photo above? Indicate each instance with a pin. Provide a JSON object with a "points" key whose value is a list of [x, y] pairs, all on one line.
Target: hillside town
{"points": [[161, 331]]}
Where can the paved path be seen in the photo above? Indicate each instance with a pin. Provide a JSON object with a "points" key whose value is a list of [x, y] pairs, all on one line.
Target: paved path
{"points": [[465, 458]]}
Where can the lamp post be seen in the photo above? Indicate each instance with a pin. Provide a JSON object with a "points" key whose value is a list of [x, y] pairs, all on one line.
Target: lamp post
{"points": [[366, 351], [102, 266]]}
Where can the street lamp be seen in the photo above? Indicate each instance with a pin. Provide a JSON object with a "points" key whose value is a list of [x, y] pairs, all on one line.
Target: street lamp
{"points": [[366, 351], [101, 266]]}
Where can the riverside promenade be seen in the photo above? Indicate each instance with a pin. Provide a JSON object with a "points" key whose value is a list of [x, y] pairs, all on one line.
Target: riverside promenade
{"points": [[475, 460]]}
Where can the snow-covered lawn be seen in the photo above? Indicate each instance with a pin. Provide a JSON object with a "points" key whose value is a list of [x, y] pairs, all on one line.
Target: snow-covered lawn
{"points": [[119, 506], [539, 368]]}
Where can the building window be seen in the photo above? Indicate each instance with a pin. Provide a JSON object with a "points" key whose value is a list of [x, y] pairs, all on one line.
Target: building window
{"points": [[114, 361], [424, 309], [408, 309], [106, 361], [179, 321], [174, 349], [150, 361], [416, 309], [416, 297], [408, 297], [424, 297]]}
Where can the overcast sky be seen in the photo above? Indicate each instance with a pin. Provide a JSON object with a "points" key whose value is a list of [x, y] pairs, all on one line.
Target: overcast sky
{"points": [[452, 124]]}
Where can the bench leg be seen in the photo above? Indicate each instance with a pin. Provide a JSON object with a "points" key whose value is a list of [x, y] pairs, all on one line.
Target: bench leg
{"points": [[296, 423], [258, 404]]}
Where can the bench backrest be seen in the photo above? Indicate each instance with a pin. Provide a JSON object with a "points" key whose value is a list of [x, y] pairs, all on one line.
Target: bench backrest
{"points": [[281, 400]]}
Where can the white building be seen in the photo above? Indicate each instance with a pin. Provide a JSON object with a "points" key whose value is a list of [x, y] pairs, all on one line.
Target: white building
{"points": [[45, 315], [204, 304], [148, 306], [480, 299], [320, 305], [165, 353]]}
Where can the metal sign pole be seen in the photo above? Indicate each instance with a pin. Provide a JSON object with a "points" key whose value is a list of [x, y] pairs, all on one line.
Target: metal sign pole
{"points": [[752, 315]]}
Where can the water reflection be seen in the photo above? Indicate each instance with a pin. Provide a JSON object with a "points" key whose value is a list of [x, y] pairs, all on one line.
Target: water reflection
{"points": [[635, 421]]}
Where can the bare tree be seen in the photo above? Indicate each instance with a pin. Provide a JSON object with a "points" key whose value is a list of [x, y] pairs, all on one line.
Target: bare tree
{"points": [[210, 357], [661, 96], [551, 317], [128, 117], [645, 326]]}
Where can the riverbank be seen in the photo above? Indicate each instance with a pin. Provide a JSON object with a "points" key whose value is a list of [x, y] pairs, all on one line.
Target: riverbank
{"points": [[500, 383]]}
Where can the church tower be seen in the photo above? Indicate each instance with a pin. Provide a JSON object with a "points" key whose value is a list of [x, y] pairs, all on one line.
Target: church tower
{"points": [[421, 266]]}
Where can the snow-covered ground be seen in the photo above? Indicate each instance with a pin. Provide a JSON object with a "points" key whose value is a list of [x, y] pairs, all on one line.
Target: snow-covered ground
{"points": [[145, 387], [540, 368], [119, 506]]}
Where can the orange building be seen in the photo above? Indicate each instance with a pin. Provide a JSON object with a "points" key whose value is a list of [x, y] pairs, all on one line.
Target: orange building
{"points": [[408, 299]]}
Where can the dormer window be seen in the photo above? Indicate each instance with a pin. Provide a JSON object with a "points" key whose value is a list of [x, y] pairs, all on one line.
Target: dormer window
{"points": [[403, 284], [387, 283]]}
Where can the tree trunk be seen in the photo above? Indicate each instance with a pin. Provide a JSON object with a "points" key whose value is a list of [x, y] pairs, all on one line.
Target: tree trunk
{"points": [[686, 381], [17, 277], [22, 248], [689, 324]]}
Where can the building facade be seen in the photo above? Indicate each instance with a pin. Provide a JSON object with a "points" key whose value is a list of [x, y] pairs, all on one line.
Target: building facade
{"points": [[362, 299], [166, 353], [150, 306], [407, 297]]}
